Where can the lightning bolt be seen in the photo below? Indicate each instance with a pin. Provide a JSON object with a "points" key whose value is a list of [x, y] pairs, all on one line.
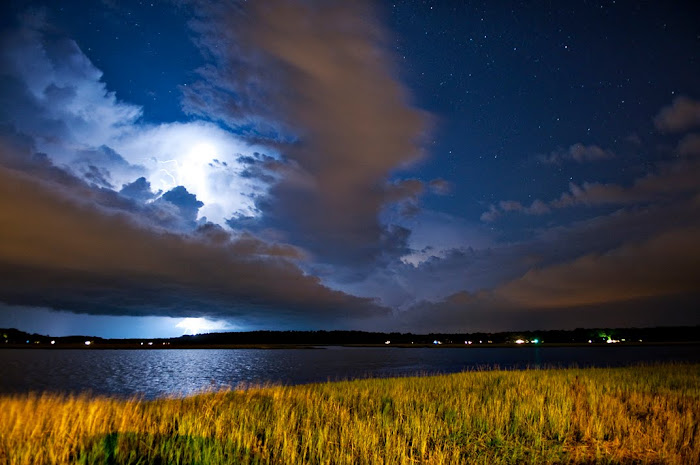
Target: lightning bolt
{"points": [[163, 170]]}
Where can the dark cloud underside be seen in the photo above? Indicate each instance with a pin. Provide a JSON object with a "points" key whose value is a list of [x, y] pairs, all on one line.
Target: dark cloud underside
{"points": [[66, 253]]}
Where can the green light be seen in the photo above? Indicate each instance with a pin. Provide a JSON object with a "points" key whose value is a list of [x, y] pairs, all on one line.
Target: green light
{"points": [[535, 341]]}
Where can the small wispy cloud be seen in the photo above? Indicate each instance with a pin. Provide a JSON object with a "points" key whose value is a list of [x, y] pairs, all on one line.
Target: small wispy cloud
{"points": [[579, 153]]}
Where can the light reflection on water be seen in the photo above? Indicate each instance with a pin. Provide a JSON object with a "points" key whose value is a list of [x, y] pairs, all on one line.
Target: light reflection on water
{"points": [[154, 373]]}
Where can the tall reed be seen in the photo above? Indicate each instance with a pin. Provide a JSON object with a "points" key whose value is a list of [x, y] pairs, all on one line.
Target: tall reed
{"points": [[643, 414]]}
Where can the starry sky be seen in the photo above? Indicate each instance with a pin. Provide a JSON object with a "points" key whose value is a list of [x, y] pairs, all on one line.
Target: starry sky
{"points": [[170, 167]]}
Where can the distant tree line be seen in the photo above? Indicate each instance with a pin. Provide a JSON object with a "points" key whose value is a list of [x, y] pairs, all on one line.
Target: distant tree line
{"points": [[577, 336]]}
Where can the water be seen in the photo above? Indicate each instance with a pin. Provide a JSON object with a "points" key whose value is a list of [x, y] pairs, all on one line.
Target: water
{"points": [[155, 373]]}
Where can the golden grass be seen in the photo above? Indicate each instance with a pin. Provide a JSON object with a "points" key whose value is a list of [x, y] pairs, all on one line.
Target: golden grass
{"points": [[644, 414]]}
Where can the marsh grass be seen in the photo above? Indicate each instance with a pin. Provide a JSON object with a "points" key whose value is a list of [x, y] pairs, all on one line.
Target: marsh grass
{"points": [[643, 414]]}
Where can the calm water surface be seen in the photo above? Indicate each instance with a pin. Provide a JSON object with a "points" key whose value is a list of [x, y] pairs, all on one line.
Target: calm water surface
{"points": [[154, 373]]}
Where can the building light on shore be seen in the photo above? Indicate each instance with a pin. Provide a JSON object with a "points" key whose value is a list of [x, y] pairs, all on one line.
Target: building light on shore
{"points": [[520, 341], [53, 342], [87, 343], [387, 342]]}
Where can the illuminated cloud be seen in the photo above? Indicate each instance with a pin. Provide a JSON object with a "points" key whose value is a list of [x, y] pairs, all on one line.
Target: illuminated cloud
{"points": [[52, 92], [203, 325], [74, 247], [681, 115], [335, 95], [54, 95], [201, 157]]}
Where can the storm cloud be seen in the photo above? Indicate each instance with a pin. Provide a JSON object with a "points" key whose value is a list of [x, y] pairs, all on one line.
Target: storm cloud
{"points": [[335, 94], [63, 251]]}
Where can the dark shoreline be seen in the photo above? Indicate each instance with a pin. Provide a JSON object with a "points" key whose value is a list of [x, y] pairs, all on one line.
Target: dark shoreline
{"points": [[130, 346]]}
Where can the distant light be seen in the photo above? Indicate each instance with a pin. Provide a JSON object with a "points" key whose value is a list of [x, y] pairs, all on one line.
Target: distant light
{"points": [[87, 343], [202, 325], [387, 342], [589, 341], [520, 341], [535, 341], [53, 342], [150, 343], [467, 342], [142, 343]]}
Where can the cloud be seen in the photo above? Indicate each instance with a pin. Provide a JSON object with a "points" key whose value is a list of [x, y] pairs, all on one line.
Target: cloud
{"points": [[465, 312], [334, 94], [52, 92], [475, 265], [670, 182], [663, 265], [491, 215], [579, 153], [59, 249], [185, 202], [680, 178], [139, 190], [689, 146], [203, 325], [537, 207], [55, 96], [639, 283], [440, 187], [681, 115], [444, 254]]}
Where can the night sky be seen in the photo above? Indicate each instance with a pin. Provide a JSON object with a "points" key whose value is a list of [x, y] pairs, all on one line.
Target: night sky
{"points": [[180, 166]]}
